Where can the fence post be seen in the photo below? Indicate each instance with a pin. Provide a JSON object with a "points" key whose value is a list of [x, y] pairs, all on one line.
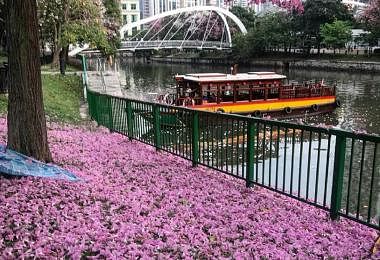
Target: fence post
{"points": [[250, 153], [337, 185], [84, 65], [157, 126], [110, 114], [195, 138], [129, 120]]}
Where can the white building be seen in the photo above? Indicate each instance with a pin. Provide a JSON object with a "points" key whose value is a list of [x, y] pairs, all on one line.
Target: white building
{"points": [[153, 7], [357, 6], [130, 12]]}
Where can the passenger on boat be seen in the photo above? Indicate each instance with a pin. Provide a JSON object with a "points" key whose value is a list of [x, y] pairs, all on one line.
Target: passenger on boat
{"points": [[188, 101]]}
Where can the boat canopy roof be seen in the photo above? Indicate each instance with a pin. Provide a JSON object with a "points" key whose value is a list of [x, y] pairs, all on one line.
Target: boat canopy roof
{"points": [[221, 77]]}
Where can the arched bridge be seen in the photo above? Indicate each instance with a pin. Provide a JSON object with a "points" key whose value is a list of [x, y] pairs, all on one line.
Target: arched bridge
{"points": [[200, 27]]}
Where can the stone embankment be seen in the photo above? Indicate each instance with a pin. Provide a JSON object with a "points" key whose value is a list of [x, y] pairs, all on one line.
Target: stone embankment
{"points": [[334, 65]]}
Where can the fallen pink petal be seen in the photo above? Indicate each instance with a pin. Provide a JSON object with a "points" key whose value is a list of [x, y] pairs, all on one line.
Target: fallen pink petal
{"points": [[135, 202]]}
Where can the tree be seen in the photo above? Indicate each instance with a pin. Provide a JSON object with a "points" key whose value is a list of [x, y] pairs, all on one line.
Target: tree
{"points": [[246, 16], [2, 23], [318, 12], [290, 5], [336, 34], [371, 17], [26, 116], [65, 22]]}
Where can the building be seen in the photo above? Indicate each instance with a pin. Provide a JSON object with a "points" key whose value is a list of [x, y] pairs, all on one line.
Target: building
{"points": [[130, 12], [357, 6], [154, 7]]}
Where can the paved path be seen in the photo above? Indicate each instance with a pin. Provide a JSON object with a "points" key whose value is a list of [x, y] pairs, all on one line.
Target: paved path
{"points": [[110, 85]]}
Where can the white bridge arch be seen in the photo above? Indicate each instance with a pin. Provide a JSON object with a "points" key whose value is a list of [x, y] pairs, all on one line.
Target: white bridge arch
{"points": [[222, 13]]}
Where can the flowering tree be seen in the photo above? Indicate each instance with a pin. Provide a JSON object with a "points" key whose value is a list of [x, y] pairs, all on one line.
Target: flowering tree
{"points": [[290, 5], [371, 17]]}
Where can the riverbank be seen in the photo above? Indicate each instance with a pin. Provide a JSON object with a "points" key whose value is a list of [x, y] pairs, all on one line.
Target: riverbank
{"points": [[135, 202], [330, 65]]}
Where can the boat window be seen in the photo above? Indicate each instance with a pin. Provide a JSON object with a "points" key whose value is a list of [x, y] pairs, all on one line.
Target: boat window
{"points": [[227, 94], [258, 92], [209, 94], [243, 93], [274, 92]]}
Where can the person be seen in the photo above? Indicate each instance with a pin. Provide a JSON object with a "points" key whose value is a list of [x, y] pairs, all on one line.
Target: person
{"points": [[188, 92], [188, 101]]}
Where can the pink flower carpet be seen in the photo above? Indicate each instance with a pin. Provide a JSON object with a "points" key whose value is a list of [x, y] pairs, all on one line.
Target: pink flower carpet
{"points": [[134, 202]]}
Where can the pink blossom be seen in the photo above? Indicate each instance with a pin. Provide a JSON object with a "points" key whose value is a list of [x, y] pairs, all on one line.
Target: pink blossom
{"points": [[136, 202]]}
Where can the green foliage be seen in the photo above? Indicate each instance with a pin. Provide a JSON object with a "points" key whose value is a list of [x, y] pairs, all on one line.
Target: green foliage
{"points": [[271, 31], [291, 29], [318, 12], [112, 10], [246, 16], [336, 34], [240, 47], [62, 96], [80, 21]]}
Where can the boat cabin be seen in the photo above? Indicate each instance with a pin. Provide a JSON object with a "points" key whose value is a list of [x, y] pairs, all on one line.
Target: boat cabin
{"points": [[248, 92]]}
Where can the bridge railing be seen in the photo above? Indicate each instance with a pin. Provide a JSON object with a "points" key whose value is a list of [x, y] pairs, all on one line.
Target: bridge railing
{"points": [[172, 44], [334, 170]]}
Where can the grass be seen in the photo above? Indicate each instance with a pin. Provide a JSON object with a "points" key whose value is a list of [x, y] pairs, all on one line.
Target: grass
{"points": [[62, 95], [3, 104], [48, 68]]}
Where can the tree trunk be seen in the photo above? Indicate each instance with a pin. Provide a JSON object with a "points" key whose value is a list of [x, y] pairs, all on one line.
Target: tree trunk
{"points": [[57, 46], [63, 58], [26, 116], [55, 61]]}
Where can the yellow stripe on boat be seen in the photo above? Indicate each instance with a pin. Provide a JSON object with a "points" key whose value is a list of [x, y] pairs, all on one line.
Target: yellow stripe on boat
{"points": [[266, 106]]}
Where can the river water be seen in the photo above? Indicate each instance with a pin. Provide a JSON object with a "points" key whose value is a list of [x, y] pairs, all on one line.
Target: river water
{"points": [[359, 92]]}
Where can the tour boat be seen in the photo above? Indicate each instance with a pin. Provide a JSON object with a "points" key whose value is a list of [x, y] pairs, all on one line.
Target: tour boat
{"points": [[253, 93]]}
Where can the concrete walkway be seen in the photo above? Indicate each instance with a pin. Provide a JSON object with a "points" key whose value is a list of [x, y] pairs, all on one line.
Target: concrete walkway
{"points": [[108, 84]]}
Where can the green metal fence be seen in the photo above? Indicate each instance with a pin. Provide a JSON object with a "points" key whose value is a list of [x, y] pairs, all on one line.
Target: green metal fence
{"points": [[332, 169], [335, 170]]}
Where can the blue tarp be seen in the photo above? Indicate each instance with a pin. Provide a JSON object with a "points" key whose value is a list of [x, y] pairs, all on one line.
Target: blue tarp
{"points": [[16, 164]]}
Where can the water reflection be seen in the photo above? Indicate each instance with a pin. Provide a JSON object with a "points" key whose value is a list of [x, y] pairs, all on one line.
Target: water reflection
{"points": [[359, 92], [294, 161]]}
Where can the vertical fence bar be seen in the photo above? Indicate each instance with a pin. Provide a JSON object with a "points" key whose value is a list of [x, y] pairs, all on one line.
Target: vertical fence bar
{"points": [[360, 179], [195, 138], [129, 119], [157, 127], [327, 170], [250, 154], [110, 114], [337, 185], [84, 65], [372, 183]]}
